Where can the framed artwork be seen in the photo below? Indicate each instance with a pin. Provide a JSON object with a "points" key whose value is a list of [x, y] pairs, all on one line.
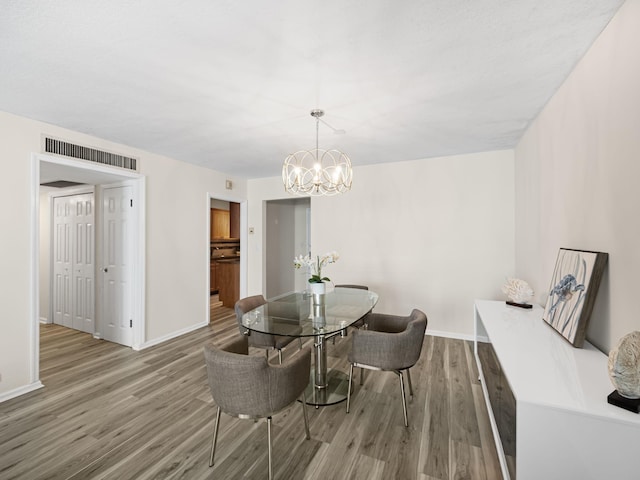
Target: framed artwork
{"points": [[574, 285]]}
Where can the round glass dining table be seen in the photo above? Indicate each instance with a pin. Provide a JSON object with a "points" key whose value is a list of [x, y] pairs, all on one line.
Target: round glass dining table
{"points": [[301, 314]]}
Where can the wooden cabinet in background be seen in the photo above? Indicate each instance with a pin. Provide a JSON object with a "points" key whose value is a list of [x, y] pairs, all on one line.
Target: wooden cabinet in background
{"points": [[213, 277], [220, 223], [234, 220], [226, 223], [222, 252], [229, 281]]}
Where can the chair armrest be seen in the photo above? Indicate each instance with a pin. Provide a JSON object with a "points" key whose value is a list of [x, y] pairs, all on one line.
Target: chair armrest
{"points": [[288, 381]]}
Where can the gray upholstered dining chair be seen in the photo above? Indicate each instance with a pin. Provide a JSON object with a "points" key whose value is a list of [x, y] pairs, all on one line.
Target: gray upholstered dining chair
{"points": [[257, 339], [360, 323], [391, 343], [250, 387], [347, 285]]}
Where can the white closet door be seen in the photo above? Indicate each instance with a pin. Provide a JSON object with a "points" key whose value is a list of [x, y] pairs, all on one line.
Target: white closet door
{"points": [[62, 262], [73, 262], [83, 263], [117, 266]]}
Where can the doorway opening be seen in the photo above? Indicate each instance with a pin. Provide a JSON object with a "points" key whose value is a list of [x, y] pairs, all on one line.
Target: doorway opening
{"points": [[103, 183], [287, 235], [226, 256]]}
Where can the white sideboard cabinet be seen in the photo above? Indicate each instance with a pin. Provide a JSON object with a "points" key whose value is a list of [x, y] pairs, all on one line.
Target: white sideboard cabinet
{"points": [[547, 401]]}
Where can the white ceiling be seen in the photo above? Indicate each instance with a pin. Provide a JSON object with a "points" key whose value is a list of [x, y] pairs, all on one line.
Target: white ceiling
{"points": [[229, 84]]}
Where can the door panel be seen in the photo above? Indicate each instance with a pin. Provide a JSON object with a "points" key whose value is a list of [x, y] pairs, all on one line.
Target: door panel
{"points": [[83, 264], [117, 305], [73, 262], [62, 262]]}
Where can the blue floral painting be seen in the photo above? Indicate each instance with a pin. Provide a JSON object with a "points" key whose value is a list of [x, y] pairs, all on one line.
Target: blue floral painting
{"points": [[572, 292]]}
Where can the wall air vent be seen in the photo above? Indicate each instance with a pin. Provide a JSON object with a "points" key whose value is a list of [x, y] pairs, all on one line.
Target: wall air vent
{"points": [[67, 149]]}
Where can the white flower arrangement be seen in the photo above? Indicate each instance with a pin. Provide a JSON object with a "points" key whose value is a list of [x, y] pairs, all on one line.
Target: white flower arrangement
{"points": [[315, 265]]}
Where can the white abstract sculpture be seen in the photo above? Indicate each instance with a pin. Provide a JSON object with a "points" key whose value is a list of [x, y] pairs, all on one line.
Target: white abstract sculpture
{"points": [[517, 290], [624, 366]]}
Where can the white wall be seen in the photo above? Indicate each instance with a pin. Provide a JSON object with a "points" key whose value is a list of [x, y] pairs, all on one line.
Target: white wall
{"points": [[577, 173], [176, 249], [45, 248], [178, 241], [15, 254], [220, 204], [433, 234]]}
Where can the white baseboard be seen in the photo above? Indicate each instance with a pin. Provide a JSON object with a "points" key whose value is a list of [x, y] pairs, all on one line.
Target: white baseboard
{"points": [[44, 320], [458, 336], [16, 392], [177, 333], [169, 336]]}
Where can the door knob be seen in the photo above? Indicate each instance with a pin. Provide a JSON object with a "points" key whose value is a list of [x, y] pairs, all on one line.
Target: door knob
{"points": [[105, 269]]}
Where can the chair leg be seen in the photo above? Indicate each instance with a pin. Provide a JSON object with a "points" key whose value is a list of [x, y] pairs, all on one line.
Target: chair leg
{"points": [[410, 386], [349, 386], [404, 400], [306, 417], [361, 376], [215, 437], [269, 440]]}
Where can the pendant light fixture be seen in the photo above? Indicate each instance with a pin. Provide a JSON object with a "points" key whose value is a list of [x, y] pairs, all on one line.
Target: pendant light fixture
{"points": [[317, 172]]}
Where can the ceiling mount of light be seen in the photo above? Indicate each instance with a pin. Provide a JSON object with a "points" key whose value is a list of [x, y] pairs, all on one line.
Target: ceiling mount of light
{"points": [[317, 172]]}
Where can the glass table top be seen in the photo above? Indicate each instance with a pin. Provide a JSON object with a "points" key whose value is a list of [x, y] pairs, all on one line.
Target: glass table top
{"points": [[296, 315]]}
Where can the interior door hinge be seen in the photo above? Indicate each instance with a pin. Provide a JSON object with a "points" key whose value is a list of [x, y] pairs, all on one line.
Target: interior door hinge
{"points": [[131, 202], [130, 323]]}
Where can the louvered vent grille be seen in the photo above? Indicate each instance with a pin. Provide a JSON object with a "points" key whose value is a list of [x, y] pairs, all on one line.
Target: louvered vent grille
{"points": [[67, 149]]}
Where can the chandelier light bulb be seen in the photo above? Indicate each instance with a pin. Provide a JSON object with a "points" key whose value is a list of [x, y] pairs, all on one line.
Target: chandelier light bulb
{"points": [[337, 173]]}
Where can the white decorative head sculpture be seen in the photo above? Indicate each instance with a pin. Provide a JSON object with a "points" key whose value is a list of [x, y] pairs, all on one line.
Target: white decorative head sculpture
{"points": [[624, 366], [517, 290]]}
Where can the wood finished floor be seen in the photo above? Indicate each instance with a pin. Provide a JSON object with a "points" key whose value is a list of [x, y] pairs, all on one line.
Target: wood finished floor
{"points": [[107, 412]]}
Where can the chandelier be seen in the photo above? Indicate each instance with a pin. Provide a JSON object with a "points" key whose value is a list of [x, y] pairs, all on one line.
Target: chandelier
{"points": [[317, 172]]}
